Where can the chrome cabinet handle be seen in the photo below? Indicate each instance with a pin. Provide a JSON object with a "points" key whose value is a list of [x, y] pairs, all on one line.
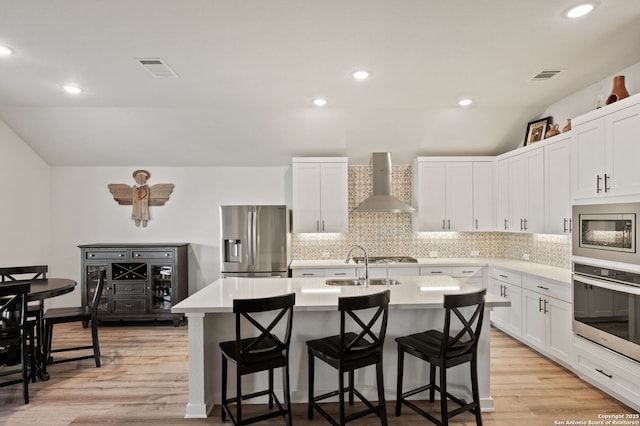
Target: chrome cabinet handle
{"points": [[570, 225], [598, 179], [476, 223], [539, 304], [606, 183], [521, 228], [503, 276], [545, 307], [436, 272], [443, 221], [505, 224], [449, 224], [323, 226], [565, 227]]}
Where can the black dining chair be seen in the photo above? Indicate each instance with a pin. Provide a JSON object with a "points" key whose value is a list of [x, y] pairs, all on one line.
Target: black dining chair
{"points": [[16, 337], [82, 314], [455, 345], [28, 273], [260, 345], [363, 326]]}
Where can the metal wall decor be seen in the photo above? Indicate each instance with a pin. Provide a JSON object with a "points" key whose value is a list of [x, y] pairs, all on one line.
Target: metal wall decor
{"points": [[141, 195]]}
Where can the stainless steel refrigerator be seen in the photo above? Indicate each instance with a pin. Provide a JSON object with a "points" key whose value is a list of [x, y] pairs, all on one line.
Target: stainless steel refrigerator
{"points": [[255, 241]]}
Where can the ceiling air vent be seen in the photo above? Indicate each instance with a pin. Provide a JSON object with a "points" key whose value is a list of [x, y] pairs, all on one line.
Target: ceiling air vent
{"points": [[545, 75], [157, 67]]}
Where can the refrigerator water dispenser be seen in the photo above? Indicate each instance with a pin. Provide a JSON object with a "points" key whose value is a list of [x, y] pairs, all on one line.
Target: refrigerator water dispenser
{"points": [[232, 251]]}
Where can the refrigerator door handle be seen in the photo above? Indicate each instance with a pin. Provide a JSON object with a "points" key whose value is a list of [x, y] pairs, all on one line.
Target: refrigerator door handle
{"points": [[251, 223]]}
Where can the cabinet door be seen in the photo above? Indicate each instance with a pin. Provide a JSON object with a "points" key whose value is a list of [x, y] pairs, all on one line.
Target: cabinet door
{"points": [[534, 218], [459, 196], [622, 152], [498, 315], [483, 197], [587, 159], [518, 194], [92, 273], [306, 197], [503, 192], [557, 161], [334, 198], [162, 287], [431, 197], [513, 322], [559, 337], [533, 319]]}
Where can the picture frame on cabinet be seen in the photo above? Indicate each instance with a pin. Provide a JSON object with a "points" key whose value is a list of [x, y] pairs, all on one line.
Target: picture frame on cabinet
{"points": [[536, 130]]}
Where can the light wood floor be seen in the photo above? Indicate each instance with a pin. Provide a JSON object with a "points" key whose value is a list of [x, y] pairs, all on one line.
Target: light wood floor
{"points": [[143, 381]]}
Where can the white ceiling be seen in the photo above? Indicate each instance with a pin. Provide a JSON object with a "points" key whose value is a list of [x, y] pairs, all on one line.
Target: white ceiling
{"points": [[249, 70]]}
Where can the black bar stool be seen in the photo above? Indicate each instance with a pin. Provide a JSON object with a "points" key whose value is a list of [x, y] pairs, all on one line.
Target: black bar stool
{"points": [[444, 350], [350, 351], [265, 352]]}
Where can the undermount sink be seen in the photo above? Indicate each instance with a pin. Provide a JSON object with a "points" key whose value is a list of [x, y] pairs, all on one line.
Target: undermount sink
{"points": [[362, 282]]}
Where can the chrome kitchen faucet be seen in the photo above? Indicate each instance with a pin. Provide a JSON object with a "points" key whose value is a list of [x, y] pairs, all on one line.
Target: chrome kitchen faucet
{"points": [[366, 260]]}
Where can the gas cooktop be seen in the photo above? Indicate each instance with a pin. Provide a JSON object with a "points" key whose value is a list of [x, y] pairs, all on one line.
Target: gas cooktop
{"points": [[386, 259]]}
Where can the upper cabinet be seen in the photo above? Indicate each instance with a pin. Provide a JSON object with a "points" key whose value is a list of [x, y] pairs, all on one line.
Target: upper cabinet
{"points": [[557, 186], [452, 193], [320, 194], [521, 192], [605, 150]]}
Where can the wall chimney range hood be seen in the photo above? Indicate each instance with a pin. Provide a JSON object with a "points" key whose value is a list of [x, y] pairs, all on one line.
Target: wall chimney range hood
{"points": [[382, 201]]}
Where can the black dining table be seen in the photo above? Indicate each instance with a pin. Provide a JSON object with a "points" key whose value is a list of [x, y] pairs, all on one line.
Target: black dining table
{"points": [[40, 290]]}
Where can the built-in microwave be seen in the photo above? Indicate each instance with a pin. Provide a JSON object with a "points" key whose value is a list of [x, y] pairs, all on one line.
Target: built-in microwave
{"points": [[606, 232]]}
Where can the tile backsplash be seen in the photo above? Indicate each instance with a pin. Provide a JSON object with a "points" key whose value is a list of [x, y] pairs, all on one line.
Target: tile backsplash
{"points": [[390, 234]]}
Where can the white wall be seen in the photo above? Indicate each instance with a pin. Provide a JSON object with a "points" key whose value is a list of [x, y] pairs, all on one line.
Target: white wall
{"points": [[84, 212], [25, 223]]}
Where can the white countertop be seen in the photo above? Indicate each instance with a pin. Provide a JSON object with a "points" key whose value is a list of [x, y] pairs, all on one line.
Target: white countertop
{"points": [[312, 294], [561, 275]]}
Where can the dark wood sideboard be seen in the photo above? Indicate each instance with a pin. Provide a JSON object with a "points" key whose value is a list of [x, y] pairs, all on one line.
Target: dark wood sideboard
{"points": [[143, 280]]}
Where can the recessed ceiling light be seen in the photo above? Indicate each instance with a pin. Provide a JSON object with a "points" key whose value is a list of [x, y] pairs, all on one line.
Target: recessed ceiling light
{"points": [[360, 75], [72, 89], [5, 51], [579, 10], [319, 102], [465, 102]]}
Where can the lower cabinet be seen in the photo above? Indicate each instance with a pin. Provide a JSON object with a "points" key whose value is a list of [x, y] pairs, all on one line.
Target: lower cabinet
{"points": [[609, 371], [143, 281], [507, 285], [473, 275], [347, 272], [546, 320]]}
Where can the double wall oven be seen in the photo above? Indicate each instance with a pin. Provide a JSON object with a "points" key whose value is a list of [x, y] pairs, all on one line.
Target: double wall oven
{"points": [[606, 276]]}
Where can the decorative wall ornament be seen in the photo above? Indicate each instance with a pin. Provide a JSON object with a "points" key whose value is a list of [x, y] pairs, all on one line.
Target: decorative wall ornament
{"points": [[619, 91], [141, 195]]}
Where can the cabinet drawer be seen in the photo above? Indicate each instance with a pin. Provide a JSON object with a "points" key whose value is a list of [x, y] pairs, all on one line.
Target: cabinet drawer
{"points": [[466, 271], [506, 276], [342, 272], [97, 255], [548, 288], [609, 369], [152, 254], [436, 270], [123, 306], [307, 273], [128, 289]]}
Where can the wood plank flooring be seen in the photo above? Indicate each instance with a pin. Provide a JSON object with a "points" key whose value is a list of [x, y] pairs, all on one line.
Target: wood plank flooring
{"points": [[143, 381]]}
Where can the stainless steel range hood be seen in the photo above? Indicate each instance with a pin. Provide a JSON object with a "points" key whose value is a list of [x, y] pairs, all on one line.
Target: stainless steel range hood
{"points": [[382, 201]]}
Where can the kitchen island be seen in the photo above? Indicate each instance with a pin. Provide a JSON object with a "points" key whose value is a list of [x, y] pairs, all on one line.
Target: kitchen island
{"points": [[415, 305]]}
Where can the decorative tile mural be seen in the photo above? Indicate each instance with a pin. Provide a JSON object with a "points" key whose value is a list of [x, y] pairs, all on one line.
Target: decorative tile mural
{"points": [[390, 234]]}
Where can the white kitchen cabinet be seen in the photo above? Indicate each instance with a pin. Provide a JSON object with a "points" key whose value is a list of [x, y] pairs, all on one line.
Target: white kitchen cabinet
{"points": [[346, 272], [557, 185], [503, 192], [527, 191], [392, 272], [608, 371], [443, 194], [546, 318], [605, 150], [320, 194], [473, 275], [483, 196], [507, 285]]}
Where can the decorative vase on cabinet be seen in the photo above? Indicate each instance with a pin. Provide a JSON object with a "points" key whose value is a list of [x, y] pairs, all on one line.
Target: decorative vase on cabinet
{"points": [[619, 91]]}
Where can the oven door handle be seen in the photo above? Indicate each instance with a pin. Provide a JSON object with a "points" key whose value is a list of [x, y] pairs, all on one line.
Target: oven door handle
{"points": [[607, 284]]}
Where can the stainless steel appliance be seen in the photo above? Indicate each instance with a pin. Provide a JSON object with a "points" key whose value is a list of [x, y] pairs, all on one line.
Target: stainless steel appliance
{"points": [[607, 232], [255, 241], [606, 307]]}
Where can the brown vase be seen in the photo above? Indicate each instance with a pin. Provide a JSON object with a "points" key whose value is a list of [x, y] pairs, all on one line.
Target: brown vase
{"points": [[568, 126], [619, 91], [553, 130]]}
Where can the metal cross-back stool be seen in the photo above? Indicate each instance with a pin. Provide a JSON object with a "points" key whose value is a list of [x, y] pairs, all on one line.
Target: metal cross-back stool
{"points": [[445, 349], [350, 351], [264, 352]]}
